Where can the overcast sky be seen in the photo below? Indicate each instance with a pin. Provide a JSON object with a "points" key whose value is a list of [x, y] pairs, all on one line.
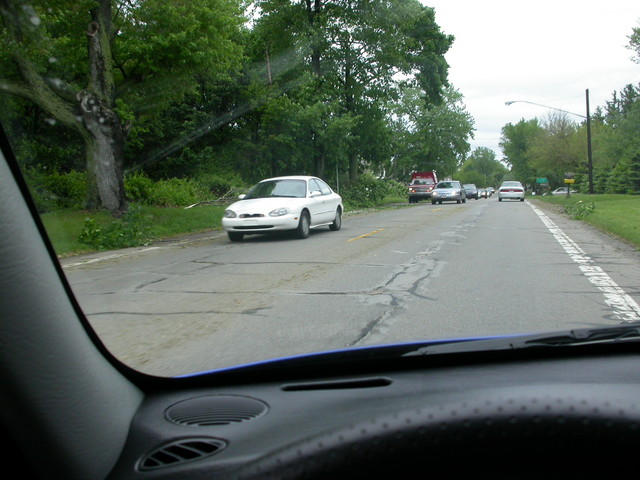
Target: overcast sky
{"points": [[544, 51]]}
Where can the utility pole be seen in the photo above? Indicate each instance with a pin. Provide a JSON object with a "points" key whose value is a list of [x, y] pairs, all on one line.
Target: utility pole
{"points": [[589, 152]]}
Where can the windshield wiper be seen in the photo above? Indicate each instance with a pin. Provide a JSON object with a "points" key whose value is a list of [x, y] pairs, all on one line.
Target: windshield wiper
{"points": [[587, 336], [584, 336]]}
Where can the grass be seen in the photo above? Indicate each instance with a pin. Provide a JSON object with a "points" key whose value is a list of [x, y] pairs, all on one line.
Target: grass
{"points": [[65, 226], [618, 215]]}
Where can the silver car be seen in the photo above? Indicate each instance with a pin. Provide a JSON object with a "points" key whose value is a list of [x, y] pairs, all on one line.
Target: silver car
{"points": [[511, 190], [449, 191]]}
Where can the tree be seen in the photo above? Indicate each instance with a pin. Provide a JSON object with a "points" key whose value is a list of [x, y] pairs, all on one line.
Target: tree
{"points": [[431, 137], [559, 149], [355, 50], [136, 58], [616, 138], [515, 142], [482, 168]]}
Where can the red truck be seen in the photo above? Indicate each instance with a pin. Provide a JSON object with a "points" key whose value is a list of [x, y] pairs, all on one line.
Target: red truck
{"points": [[421, 185]]}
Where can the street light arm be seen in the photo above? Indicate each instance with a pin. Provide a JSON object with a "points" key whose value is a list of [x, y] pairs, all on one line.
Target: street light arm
{"points": [[545, 106]]}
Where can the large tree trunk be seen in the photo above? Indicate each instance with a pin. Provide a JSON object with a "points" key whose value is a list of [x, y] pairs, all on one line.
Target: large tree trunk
{"points": [[105, 145], [105, 155]]}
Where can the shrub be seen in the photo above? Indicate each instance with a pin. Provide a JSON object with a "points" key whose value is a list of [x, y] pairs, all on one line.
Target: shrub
{"points": [[128, 231], [368, 191], [55, 190], [579, 210], [138, 187], [177, 192], [218, 186]]}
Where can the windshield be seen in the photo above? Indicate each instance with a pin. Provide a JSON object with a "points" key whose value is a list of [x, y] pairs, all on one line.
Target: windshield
{"points": [[138, 124], [278, 188]]}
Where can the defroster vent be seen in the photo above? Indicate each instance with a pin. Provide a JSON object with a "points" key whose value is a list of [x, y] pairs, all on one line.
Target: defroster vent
{"points": [[215, 410]]}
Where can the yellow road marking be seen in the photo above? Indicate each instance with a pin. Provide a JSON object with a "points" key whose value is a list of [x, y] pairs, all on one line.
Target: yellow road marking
{"points": [[365, 235]]}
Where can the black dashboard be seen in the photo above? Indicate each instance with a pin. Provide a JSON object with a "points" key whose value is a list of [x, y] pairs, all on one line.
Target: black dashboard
{"points": [[449, 416]]}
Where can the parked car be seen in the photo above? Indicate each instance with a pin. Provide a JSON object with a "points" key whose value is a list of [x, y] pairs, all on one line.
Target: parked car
{"points": [[511, 190], [471, 191], [448, 191], [562, 191], [296, 203]]}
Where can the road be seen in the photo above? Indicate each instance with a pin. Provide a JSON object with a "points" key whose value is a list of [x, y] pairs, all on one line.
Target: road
{"points": [[419, 272]]}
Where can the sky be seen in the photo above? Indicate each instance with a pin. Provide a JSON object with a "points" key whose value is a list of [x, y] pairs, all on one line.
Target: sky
{"points": [[548, 52]]}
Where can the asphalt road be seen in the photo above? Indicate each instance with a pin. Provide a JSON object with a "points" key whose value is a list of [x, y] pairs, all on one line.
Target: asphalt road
{"points": [[419, 272]]}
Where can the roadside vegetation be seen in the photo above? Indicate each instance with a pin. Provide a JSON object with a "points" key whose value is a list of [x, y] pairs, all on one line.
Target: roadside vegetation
{"points": [[618, 215], [164, 209]]}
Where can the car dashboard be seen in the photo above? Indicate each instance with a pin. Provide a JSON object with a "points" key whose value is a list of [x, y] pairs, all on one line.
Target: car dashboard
{"points": [[476, 414]]}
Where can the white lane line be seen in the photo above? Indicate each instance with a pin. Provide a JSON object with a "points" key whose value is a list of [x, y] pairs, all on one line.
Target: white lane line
{"points": [[623, 306], [107, 257]]}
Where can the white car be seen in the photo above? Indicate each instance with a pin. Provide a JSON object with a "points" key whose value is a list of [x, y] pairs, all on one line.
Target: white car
{"points": [[296, 203], [511, 190]]}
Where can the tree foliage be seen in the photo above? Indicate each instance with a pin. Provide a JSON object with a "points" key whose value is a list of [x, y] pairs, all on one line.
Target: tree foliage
{"points": [[434, 137], [186, 89], [97, 67], [482, 168], [353, 52]]}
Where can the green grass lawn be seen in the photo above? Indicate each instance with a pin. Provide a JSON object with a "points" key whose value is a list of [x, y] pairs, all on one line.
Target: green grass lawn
{"points": [[65, 226], [618, 215]]}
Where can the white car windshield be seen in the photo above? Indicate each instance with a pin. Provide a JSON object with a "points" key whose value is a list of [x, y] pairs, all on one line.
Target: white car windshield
{"points": [[279, 188]]}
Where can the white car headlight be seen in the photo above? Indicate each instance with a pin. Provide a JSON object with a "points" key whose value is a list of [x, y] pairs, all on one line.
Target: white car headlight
{"points": [[229, 214], [279, 212]]}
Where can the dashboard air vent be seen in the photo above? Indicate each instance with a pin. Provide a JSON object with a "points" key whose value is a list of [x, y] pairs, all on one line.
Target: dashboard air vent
{"points": [[215, 410], [181, 451]]}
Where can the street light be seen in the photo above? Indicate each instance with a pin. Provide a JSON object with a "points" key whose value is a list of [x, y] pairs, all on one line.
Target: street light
{"points": [[587, 117]]}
